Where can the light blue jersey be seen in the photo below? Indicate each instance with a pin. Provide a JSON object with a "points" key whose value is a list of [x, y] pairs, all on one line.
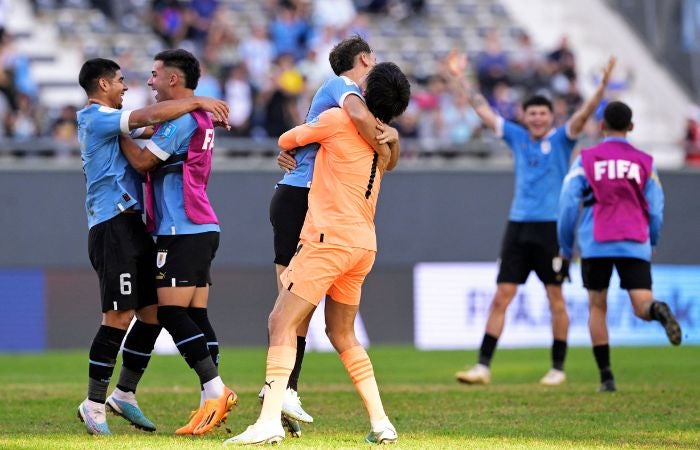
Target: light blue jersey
{"points": [[173, 138], [112, 184], [577, 190], [540, 166], [330, 95]]}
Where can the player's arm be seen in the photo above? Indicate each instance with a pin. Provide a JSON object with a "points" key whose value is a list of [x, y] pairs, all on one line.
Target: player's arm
{"points": [[171, 109], [315, 131], [142, 160], [390, 136], [366, 123], [654, 194], [580, 117], [569, 204], [456, 65]]}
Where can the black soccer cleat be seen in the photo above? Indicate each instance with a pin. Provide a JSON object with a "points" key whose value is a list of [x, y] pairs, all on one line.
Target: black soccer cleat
{"points": [[669, 322], [607, 386]]}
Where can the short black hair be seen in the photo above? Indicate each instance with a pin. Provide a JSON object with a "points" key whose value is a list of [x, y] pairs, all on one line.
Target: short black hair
{"points": [[537, 100], [184, 61], [617, 116], [387, 92], [342, 57], [93, 70]]}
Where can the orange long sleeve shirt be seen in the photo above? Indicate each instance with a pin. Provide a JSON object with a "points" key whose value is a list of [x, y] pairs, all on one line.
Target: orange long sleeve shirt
{"points": [[339, 211]]}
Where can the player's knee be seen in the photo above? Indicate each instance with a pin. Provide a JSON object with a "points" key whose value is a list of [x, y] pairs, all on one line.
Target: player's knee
{"points": [[119, 319]]}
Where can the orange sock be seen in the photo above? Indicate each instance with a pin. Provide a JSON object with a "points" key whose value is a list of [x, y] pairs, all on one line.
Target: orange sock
{"points": [[360, 369], [280, 362]]}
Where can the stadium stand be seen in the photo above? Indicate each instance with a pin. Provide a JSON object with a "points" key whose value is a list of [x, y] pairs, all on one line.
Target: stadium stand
{"points": [[515, 50]]}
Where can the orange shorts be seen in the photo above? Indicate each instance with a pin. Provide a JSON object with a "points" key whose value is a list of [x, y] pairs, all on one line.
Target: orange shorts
{"points": [[319, 269]]}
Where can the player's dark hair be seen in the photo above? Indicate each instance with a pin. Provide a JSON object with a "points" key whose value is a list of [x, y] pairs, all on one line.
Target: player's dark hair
{"points": [[617, 116], [387, 92], [185, 62], [342, 57], [537, 100], [93, 70]]}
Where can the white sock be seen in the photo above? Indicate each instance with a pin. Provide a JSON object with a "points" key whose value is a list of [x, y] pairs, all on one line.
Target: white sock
{"points": [[379, 425], [213, 389], [202, 397]]}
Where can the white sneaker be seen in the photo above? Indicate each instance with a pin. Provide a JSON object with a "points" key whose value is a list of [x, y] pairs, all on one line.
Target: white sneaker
{"points": [[261, 394], [94, 416], [479, 374], [554, 377], [259, 433], [385, 435], [291, 407]]}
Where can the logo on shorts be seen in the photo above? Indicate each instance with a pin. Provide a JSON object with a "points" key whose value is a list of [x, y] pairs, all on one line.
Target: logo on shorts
{"points": [[557, 263], [160, 259], [160, 276]]}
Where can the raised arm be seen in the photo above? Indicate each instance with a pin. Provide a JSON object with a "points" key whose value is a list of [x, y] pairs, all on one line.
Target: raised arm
{"points": [[456, 66], [366, 124], [171, 109], [578, 120]]}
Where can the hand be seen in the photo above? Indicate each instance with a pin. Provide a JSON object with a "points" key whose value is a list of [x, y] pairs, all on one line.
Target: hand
{"points": [[286, 160], [217, 108], [608, 70], [456, 63], [387, 134], [221, 124], [560, 265]]}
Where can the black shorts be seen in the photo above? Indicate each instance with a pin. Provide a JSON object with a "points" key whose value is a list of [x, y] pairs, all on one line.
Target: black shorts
{"points": [[287, 213], [529, 246], [634, 273], [122, 252], [185, 259]]}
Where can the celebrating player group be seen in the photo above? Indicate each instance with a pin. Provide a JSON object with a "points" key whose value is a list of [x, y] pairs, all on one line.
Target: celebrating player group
{"points": [[606, 208]]}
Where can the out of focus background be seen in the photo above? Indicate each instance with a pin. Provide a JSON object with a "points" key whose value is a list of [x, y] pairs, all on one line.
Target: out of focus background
{"points": [[441, 213]]}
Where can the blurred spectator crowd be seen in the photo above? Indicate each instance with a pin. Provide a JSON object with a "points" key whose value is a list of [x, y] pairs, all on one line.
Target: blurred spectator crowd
{"points": [[269, 70]]}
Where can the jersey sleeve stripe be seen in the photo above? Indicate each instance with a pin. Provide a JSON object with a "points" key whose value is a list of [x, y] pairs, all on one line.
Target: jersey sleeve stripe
{"points": [[159, 152], [124, 121]]}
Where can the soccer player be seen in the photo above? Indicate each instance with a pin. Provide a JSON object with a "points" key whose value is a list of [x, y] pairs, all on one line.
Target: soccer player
{"points": [[336, 252], [120, 249], [614, 189], [542, 155], [350, 60], [178, 161]]}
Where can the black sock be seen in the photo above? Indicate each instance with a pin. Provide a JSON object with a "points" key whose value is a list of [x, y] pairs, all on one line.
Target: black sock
{"points": [[294, 376], [136, 354], [200, 317], [188, 338], [558, 354], [488, 346], [103, 356], [653, 312], [602, 359]]}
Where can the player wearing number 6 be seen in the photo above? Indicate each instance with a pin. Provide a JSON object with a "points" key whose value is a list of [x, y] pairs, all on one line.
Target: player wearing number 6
{"points": [[120, 249]]}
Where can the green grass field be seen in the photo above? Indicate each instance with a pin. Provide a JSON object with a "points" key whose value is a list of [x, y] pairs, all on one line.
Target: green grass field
{"points": [[657, 404]]}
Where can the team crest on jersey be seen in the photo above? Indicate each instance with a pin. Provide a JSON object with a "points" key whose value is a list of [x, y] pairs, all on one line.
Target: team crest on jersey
{"points": [[167, 130], [160, 259], [546, 147]]}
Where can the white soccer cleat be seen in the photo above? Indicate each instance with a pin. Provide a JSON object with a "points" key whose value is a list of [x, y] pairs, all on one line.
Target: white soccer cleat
{"points": [[386, 434], [554, 377], [258, 434], [479, 374], [291, 407], [94, 416]]}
